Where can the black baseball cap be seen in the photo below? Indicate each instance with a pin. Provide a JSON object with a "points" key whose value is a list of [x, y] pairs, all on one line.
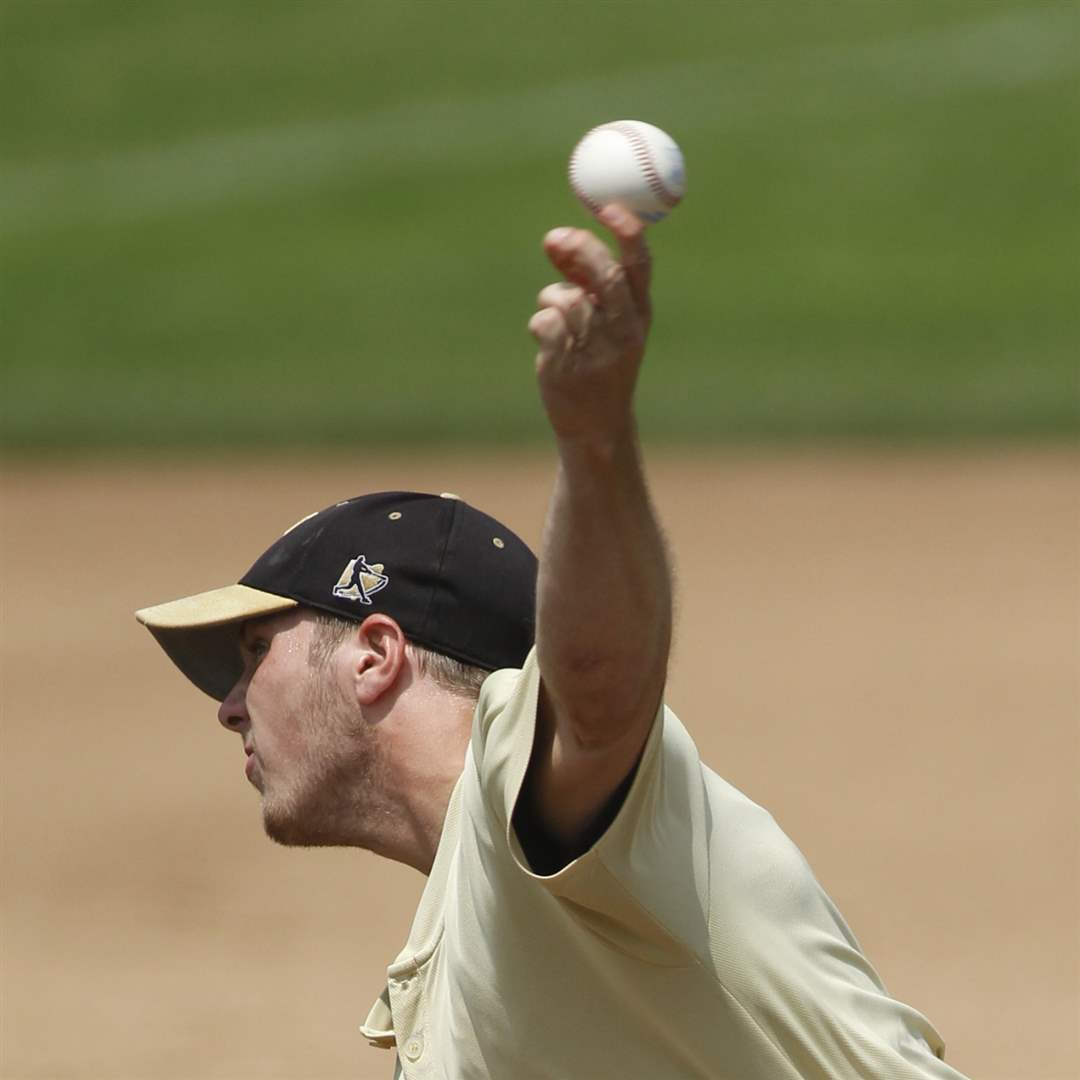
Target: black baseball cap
{"points": [[456, 581]]}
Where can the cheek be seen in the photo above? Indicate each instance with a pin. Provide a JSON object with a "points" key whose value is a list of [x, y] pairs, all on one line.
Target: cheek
{"points": [[277, 721]]}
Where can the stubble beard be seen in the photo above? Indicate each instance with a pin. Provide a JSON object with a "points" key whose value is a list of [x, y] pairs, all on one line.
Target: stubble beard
{"points": [[336, 797]]}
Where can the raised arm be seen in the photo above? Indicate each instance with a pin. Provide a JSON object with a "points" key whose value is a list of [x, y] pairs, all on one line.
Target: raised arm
{"points": [[604, 592]]}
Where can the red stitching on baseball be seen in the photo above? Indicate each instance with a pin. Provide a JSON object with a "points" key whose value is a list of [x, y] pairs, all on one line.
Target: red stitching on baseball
{"points": [[591, 204], [644, 157]]}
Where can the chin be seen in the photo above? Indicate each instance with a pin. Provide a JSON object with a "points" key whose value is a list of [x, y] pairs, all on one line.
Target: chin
{"points": [[283, 832], [291, 827]]}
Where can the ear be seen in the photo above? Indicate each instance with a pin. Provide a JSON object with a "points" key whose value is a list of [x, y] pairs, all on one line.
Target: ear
{"points": [[377, 658]]}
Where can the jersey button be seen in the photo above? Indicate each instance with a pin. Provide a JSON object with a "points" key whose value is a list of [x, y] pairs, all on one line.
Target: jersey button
{"points": [[414, 1047]]}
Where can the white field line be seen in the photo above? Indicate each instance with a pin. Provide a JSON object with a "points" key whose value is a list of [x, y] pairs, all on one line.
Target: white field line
{"points": [[479, 133]]}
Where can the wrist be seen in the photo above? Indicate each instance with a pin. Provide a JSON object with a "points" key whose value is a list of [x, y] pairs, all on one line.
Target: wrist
{"points": [[599, 446]]}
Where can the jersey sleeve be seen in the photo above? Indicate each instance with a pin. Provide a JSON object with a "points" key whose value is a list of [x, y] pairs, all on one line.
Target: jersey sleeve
{"points": [[624, 882]]}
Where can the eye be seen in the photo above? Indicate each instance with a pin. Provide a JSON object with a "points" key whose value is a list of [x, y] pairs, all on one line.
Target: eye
{"points": [[255, 649]]}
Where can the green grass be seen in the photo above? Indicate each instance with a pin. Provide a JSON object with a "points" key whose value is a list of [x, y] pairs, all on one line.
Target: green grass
{"points": [[307, 223]]}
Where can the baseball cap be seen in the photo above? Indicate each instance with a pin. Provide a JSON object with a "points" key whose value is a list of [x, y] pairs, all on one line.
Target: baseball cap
{"points": [[456, 581]]}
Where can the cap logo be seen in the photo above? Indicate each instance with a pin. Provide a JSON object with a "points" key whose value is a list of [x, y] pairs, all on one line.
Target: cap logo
{"points": [[360, 579]]}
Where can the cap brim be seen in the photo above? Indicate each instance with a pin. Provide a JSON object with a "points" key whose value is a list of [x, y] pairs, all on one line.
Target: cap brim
{"points": [[201, 633]]}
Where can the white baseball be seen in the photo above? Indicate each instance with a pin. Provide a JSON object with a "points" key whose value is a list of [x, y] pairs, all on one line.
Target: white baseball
{"points": [[631, 163]]}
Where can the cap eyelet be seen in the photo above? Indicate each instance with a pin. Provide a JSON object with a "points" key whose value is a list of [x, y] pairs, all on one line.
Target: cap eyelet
{"points": [[395, 516], [497, 541]]}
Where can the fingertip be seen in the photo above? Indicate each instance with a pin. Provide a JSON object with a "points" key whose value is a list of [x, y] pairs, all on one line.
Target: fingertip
{"points": [[544, 323], [612, 214], [556, 237], [620, 220]]}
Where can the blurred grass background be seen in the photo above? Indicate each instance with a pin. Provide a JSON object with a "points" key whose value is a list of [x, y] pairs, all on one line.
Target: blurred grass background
{"points": [[314, 223]]}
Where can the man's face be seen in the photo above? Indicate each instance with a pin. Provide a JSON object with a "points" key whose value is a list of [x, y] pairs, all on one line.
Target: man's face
{"points": [[315, 761]]}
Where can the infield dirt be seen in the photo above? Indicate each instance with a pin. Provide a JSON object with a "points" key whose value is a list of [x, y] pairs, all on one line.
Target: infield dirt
{"points": [[879, 647]]}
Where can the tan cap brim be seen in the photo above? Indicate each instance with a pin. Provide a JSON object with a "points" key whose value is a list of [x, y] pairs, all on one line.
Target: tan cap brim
{"points": [[200, 633]]}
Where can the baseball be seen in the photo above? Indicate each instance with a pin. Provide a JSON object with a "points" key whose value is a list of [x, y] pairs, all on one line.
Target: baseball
{"points": [[631, 163]]}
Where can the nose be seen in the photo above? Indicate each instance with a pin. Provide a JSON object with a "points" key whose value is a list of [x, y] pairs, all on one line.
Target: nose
{"points": [[232, 712]]}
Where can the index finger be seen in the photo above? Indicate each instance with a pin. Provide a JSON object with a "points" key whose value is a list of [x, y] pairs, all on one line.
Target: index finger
{"points": [[629, 233], [581, 257], [584, 259]]}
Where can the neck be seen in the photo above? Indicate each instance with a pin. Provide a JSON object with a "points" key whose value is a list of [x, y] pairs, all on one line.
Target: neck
{"points": [[427, 738]]}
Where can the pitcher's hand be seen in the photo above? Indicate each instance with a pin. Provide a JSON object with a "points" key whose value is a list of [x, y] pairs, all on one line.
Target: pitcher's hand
{"points": [[591, 328]]}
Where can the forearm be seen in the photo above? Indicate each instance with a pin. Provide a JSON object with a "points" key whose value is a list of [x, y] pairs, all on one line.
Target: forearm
{"points": [[604, 592]]}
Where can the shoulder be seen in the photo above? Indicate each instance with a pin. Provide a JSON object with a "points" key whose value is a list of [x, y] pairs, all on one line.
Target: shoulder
{"points": [[507, 700], [504, 722], [497, 691]]}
